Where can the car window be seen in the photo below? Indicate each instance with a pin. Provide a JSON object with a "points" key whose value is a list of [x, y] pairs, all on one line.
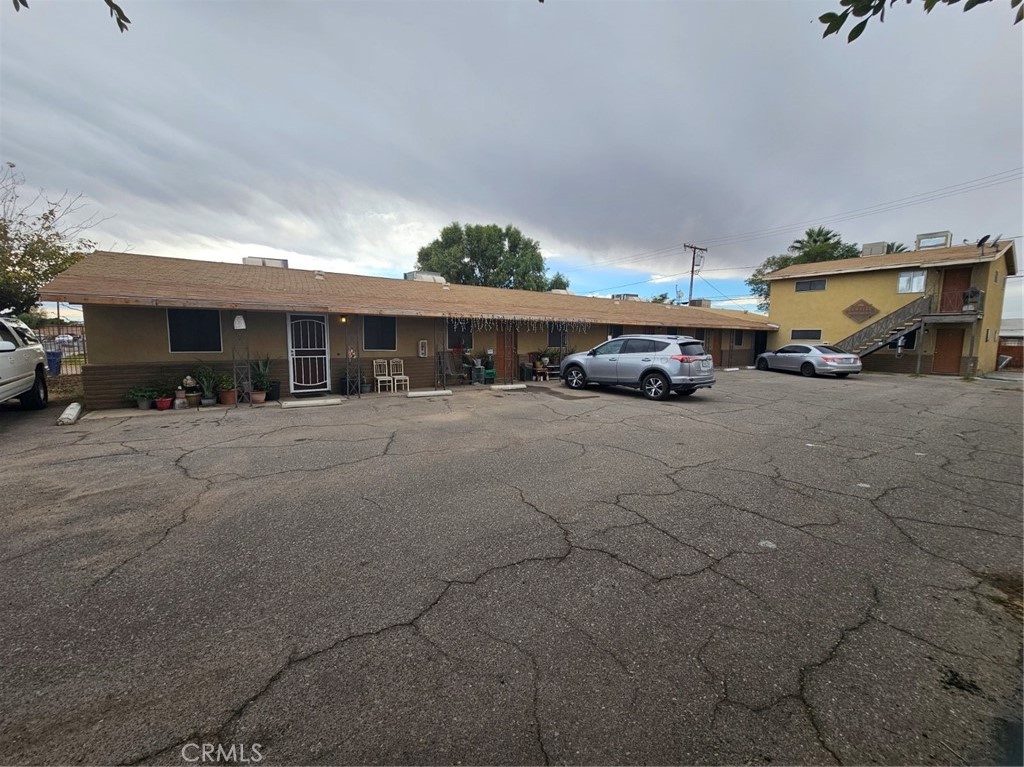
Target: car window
{"points": [[659, 346], [691, 349], [612, 347], [26, 334], [637, 346], [800, 349], [830, 350], [788, 350], [7, 335]]}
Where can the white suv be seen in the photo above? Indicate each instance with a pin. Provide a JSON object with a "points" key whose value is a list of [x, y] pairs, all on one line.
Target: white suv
{"points": [[22, 365]]}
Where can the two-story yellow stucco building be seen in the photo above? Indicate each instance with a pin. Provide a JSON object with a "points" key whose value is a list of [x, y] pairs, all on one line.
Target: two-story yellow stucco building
{"points": [[931, 310]]}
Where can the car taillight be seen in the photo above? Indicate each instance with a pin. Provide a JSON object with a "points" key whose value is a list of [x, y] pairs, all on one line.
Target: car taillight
{"points": [[832, 359], [686, 358]]}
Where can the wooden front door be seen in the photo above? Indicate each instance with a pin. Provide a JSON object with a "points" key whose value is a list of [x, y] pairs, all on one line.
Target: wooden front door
{"points": [[954, 283], [949, 346], [506, 355]]}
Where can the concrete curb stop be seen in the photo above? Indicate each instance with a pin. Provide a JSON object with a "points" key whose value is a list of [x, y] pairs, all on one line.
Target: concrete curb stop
{"points": [[70, 415], [437, 393]]}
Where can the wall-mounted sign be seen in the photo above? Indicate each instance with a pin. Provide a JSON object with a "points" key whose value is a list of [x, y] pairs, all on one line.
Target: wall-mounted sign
{"points": [[860, 311]]}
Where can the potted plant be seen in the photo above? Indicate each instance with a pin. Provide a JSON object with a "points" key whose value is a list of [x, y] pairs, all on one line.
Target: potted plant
{"points": [[226, 393], [143, 396], [206, 379], [260, 379], [164, 396], [365, 387]]}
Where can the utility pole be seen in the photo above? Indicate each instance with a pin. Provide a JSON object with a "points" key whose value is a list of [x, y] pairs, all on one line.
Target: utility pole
{"points": [[693, 268]]}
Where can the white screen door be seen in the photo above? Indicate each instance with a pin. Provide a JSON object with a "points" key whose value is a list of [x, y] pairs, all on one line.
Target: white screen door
{"points": [[308, 353]]}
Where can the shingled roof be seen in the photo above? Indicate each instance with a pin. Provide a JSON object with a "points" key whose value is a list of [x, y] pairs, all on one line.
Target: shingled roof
{"points": [[911, 259], [128, 279]]}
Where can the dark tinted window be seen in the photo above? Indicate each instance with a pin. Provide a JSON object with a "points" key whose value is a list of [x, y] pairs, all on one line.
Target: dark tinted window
{"points": [[691, 349], [659, 346], [459, 334], [806, 285], [379, 334], [830, 350], [194, 330], [7, 335], [738, 338], [557, 337], [638, 346], [809, 335], [800, 349]]}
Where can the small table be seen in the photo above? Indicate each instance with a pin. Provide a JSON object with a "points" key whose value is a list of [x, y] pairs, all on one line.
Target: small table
{"points": [[553, 371]]}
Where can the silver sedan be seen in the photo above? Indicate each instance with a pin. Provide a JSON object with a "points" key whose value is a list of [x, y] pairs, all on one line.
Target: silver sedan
{"points": [[811, 360]]}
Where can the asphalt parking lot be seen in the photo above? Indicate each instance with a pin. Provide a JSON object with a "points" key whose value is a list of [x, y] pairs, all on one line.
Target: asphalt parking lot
{"points": [[778, 570]]}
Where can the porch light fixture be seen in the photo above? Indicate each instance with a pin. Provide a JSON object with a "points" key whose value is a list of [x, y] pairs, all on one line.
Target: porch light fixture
{"points": [[239, 322]]}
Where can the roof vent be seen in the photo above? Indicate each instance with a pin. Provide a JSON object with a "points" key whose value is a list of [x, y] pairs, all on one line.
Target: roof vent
{"points": [[425, 277], [934, 240], [318, 274], [874, 249], [280, 263], [625, 297]]}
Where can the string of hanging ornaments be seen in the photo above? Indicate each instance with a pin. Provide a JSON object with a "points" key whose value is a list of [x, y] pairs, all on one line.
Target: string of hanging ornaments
{"points": [[505, 324]]}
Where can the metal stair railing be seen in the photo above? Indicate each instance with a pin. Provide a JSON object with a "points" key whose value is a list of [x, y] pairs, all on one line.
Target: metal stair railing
{"points": [[880, 333]]}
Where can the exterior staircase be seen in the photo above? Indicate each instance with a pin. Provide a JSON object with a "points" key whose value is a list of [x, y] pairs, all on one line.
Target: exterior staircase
{"points": [[889, 328]]}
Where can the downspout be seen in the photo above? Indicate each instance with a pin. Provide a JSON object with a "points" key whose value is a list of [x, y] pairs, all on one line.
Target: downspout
{"points": [[920, 346]]}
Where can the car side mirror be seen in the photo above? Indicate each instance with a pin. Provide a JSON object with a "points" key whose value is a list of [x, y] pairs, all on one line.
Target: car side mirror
{"points": [[7, 346], [592, 353]]}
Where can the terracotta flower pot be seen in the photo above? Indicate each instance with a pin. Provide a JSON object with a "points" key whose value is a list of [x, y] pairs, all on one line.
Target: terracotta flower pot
{"points": [[227, 396], [258, 397]]}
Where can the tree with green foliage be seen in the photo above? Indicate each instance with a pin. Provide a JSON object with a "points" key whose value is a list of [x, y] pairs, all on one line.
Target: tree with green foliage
{"points": [[487, 255], [817, 244], [867, 9], [661, 298], [895, 247], [39, 239]]}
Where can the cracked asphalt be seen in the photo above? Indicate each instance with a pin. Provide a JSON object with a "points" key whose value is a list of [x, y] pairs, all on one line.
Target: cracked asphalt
{"points": [[778, 570]]}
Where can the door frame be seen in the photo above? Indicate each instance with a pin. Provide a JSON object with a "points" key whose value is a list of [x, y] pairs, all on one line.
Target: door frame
{"points": [[291, 351]]}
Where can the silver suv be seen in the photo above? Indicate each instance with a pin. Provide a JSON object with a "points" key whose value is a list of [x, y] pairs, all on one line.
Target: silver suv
{"points": [[22, 365], [653, 364]]}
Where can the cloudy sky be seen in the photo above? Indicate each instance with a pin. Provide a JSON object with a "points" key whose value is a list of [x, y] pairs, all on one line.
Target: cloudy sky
{"points": [[344, 135]]}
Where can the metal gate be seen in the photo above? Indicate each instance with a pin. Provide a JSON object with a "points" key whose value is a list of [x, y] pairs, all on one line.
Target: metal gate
{"points": [[308, 353]]}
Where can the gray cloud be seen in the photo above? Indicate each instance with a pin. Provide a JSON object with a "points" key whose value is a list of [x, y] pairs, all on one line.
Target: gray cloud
{"points": [[352, 131]]}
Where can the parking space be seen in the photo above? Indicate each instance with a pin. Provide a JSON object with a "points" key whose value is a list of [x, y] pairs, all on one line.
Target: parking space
{"points": [[783, 569]]}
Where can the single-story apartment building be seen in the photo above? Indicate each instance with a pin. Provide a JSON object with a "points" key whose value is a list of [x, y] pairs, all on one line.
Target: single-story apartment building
{"points": [[155, 317], [930, 310]]}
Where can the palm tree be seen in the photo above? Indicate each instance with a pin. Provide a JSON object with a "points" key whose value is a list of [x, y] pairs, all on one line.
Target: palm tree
{"points": [[895, 247], [814, 237]]}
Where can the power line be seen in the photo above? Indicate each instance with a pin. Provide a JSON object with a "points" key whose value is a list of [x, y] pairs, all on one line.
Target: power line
{"points": [[952, 190]]}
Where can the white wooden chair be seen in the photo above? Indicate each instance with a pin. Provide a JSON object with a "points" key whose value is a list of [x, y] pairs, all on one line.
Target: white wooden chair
{"points": [[381, 376], [398, 376]]}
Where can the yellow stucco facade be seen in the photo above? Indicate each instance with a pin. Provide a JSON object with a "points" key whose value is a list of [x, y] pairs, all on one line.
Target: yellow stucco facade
{"points": [[799, 314]]}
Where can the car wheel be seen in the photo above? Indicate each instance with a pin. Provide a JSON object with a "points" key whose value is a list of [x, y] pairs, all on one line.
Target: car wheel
{"points": [[762, 363], [687, 392], [654, 386], [575, 378], [842, 375], [38, 396], [807, 369]]}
